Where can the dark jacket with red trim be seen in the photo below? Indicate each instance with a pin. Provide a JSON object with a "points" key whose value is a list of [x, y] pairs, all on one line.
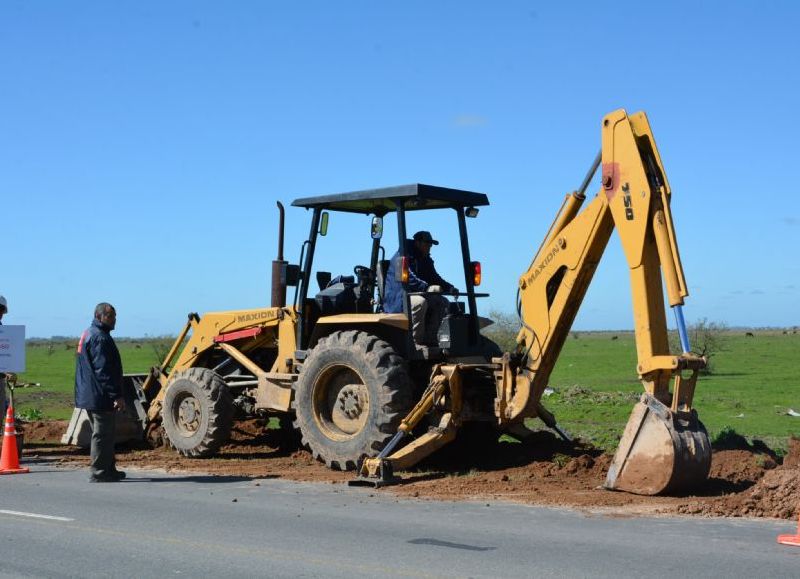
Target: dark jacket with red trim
{"points": [[421, 274], [98, 369]]}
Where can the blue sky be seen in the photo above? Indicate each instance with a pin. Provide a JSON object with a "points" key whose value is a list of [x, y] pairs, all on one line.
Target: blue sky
{"points": [[143, 144]]}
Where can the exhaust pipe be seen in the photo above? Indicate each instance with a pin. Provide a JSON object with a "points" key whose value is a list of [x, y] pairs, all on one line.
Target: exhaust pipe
{"points": [[279, 267]]}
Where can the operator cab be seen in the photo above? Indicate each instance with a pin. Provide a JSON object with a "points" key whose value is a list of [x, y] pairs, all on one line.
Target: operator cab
{"points": [[363, 290]]}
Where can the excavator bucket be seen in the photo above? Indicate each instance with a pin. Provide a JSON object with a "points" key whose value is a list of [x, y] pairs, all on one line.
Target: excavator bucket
{"points": [[660, 451]]}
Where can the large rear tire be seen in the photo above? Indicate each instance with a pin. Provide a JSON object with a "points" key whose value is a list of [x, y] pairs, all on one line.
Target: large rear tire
{"points": [[198, 412], [352, 392]]}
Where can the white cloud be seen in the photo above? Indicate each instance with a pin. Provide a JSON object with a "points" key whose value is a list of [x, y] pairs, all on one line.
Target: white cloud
{"points": [[470, 121]]}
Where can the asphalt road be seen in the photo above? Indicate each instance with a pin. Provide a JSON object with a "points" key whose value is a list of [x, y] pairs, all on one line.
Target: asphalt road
{"points": [[53, 523]]}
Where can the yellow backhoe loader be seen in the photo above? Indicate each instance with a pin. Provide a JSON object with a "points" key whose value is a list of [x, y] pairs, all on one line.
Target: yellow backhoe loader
{"points": [[355, 383], [664, 447]]}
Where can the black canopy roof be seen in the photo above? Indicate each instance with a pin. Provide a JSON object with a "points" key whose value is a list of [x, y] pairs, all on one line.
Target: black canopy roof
{"points": [[386, 199]]}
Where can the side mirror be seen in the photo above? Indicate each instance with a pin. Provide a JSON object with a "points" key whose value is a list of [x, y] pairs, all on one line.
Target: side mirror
{"points": [[323, 225], [376, 230]]}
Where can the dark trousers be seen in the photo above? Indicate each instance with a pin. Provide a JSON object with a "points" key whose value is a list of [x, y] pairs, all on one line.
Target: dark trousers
{"points": [[103, 460]]}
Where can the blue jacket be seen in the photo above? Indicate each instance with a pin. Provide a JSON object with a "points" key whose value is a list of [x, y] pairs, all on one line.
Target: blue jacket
{"points": [[98, 369], [421, 274]]}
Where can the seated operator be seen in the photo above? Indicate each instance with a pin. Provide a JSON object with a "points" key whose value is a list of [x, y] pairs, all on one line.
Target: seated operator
{"points": [[427, 310]]}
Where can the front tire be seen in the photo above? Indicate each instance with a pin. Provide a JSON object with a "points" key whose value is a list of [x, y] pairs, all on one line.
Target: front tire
{"points": [[198, 412], [352, 392]]}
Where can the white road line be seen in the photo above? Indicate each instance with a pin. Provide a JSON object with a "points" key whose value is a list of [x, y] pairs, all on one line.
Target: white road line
{"points": [[34, 516]]}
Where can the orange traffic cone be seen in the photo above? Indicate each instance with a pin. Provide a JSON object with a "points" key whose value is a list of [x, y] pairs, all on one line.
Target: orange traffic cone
{"points": [[793, 540], [9, 457]]}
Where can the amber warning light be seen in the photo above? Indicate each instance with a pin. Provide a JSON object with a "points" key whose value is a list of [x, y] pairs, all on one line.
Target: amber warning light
{"points": [[404, 270], [476, 273]]}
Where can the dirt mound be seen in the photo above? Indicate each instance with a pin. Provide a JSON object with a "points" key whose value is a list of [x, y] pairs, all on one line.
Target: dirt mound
{"points": [[775, 493], [542, 469], [792, 459], [43, 430], [563, 481], [738, 467], [745, 479]]}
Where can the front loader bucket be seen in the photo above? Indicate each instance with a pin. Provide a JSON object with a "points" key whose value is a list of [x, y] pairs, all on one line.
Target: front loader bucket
{"points": [[129, 425], [79, 430], [660, 451]]}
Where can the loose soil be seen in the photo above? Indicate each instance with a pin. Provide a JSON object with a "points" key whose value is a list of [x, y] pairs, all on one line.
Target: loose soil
{"points": [[745, 479]]}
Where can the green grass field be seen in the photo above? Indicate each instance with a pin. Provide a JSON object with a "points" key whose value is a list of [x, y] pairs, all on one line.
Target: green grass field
{"points": [[754, 383]]}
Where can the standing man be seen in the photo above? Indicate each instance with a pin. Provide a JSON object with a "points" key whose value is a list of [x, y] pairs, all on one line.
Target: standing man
{"points": [[427, 311], [98, 390]]}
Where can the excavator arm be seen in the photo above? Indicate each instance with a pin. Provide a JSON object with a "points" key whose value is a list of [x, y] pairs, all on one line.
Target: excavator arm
{"points": [[664, 446]]}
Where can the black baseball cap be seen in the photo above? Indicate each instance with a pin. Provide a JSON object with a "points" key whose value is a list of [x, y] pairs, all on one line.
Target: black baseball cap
{"points": [[425, 236]]}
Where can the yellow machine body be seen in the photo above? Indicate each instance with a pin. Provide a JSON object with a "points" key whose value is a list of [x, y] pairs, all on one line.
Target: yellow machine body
{"points": [[664, 447], [240, 332]]}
